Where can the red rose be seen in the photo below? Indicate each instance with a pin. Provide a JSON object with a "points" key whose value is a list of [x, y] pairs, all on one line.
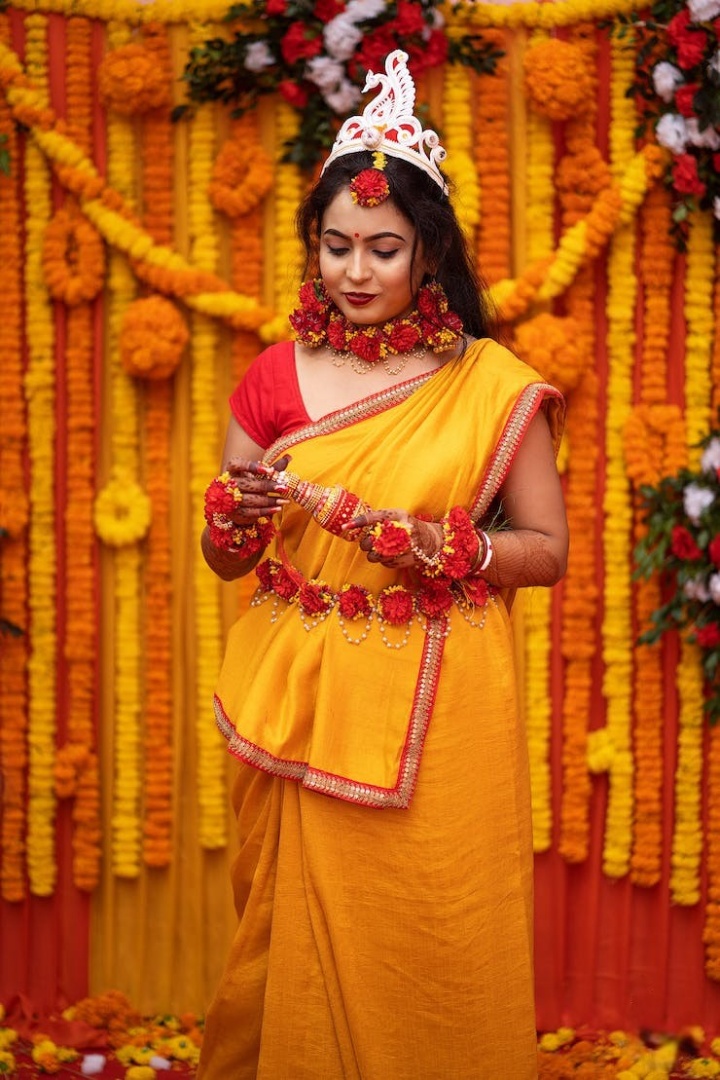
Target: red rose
{"points": [[434, 51], [682, 544], [685, 176], [374, 47], [391, 538], [403, 337], [299, 43], [369, 188], [275, 7], [325, 10], [434, 598], [691, 43], [684, 97], [294, 95], [716, 159], [714, 550], [314, 598], [395, 605], [354, 601], [409, 19], [708, 636], [366, 345]]}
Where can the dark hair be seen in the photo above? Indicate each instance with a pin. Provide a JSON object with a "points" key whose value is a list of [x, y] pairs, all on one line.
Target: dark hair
{"points": [[421, 200]]}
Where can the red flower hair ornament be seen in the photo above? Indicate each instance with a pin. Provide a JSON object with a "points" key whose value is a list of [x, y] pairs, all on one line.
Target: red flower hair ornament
{"points": [[370, 187]]}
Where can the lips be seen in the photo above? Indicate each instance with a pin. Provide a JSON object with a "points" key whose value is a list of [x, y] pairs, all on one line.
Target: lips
{"points": [[359, 299]]}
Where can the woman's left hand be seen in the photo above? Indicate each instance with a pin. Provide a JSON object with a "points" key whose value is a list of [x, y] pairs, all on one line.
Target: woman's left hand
{"points": [[422, 538]]}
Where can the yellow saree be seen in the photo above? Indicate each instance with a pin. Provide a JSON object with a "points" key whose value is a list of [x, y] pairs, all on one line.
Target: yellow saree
{"points": [[384, 881]]}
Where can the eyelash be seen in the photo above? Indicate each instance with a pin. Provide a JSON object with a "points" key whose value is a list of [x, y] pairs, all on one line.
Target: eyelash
{"points": [[339, 252]]}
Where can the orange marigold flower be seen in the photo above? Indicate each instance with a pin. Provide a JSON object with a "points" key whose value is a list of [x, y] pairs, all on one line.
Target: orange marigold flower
{"points": [[131, 81], [152, 338], [73, 258], [557, 80], [241, 178]]}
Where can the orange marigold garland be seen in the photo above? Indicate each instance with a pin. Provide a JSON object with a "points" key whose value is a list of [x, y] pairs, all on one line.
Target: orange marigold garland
{"points": [[130, 81], [241, 178], [492, 161], [557, 80], [77, 766], [169, 335], [13, 521], [73, 258]]}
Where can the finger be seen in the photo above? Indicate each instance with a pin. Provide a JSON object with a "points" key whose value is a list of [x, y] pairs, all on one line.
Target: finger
{"points": [[282, 463]]}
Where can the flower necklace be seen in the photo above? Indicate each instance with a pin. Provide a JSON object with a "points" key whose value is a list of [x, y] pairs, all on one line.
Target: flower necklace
{"points": [[431, 325]]}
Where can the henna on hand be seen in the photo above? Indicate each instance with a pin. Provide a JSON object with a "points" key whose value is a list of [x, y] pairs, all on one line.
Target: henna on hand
{"points": [[522, 557]]}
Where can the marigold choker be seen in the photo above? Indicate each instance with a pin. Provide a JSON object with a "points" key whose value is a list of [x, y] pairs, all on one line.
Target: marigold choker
{"points": [[431, 325]]}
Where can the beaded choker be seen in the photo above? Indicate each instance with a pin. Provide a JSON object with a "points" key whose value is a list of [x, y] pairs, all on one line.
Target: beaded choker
{"points": [[432, 325]]}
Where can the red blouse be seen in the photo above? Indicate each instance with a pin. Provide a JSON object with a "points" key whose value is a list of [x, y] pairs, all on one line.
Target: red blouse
{"points": [[267, 403]]}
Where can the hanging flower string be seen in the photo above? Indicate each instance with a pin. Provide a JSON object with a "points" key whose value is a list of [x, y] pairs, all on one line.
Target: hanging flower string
{"points": [[491, 140], [459, 164], [14, 649], [40, 383], [287, 193], [77, 771]]}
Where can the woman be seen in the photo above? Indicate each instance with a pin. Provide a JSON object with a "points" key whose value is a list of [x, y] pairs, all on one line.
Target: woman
{"points": [[384, 881]]}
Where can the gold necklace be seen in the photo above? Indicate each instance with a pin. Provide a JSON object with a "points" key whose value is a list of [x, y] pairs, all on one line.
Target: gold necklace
{"points": [[340, 356]]}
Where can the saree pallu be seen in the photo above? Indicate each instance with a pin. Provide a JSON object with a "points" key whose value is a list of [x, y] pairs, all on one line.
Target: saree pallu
{"points": [[384, 880]]}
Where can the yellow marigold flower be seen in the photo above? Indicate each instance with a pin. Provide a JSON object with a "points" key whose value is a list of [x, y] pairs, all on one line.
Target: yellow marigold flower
{"points": [[140, 1072], [182, 1048], [704, 1067], [549, 1042], [7, 1062], [7, 1037]]}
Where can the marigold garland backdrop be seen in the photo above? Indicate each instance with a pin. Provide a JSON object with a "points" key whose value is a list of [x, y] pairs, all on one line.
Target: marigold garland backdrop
{"points": [[148, 254]]}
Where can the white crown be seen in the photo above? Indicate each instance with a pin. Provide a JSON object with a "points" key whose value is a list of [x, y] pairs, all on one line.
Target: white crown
{"points": [[388, 123]]}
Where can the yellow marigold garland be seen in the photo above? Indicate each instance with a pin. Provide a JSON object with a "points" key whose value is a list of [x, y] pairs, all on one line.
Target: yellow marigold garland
{"points": [[617, 631], [158, 217], [711, 930], [687, 832], [77, 766], [13, 519], [492, 165], [211, 758], [457, 127], [40, 390], [288, 258]]}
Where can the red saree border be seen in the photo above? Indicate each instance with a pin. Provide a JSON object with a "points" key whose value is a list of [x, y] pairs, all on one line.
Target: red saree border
{"points": [[529, 401], [341, 787]]}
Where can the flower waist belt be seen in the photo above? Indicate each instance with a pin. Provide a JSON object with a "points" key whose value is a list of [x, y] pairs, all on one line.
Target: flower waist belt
{"points": [[356, 608]]}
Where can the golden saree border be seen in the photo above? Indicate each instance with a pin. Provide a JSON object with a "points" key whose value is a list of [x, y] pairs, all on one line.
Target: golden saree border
{"points": [[342, 787]]}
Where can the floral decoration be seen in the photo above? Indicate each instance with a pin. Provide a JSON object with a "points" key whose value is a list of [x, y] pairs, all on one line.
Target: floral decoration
{"points": [[153, 336], [316, 54], [557, 79], [677, 89], [130, 80], [683, 545], [370, 187], [122, 513], [73, 258], [241, 178]]}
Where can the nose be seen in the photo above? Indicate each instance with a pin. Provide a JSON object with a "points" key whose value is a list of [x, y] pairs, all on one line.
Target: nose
{"points": [[357, 266]]}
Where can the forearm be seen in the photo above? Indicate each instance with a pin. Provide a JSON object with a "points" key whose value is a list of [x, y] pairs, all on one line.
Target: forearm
{"points": [[228, 565], [525, 557]]}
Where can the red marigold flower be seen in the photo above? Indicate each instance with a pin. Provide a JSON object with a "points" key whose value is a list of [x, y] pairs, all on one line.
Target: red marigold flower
{"points": [[300, 43], [275, 7], [409, 19], [457, 564], [366, 345], [684, 98], [221, 538], [283, 584], [403, 337], [476, 590], [312, 295], [434, 598], [682, 544], [374, 47], [714, 550], [295, 95], [452, 321], [685, 175], [219, 499], [395, 605], [325, 10], [307, 323], [354, 601], [391, 538], [264, 572], [691, 43], [708, 636], [336, 334], [716, 157], [370, 187], [427, 303], [314, 598]]}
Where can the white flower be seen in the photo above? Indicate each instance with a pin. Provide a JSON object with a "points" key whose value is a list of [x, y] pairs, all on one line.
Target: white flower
{"points": [[160, 1063], [344, 99], [258, 56], [695, 500], [671, 132], [666, 79], [710, 460], [360, 10], [708, 137], [92, 1064], [714, 63], [703, 10], [696, 589], [341, 37], [716, 207], [714, 584], [324, 72]]}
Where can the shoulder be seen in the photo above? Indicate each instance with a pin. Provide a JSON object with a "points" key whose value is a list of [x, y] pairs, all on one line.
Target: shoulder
{"points": [[498, 361], [276, 357]]}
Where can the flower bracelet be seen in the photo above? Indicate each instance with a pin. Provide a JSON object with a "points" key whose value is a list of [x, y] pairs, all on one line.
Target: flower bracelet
{"points": [[458, 555], [222, 498]]}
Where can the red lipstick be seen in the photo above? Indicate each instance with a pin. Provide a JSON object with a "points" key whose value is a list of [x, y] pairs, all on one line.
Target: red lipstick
{"points": [[359, 299]]}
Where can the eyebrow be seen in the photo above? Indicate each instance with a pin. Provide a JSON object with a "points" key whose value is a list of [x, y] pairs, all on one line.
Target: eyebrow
{"points": [[376, 236]]}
